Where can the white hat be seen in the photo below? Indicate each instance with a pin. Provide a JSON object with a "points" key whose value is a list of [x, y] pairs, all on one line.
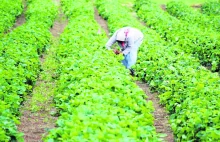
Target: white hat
{"points": [[120, 36]]}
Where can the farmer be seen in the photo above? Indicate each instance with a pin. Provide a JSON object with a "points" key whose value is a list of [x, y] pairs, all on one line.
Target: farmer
{"points": [[129, 39]]}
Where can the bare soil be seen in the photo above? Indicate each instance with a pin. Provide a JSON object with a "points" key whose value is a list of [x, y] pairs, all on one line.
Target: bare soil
{"points": [[161, 117], [35, 124], [163, 7], [197, 6], [59, 24], [20, 19], [101, 22]]}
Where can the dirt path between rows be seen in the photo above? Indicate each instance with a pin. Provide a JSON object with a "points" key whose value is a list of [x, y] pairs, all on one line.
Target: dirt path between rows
{"points": [[38, 111], [20, 19], [161, 117], [101, 22]]}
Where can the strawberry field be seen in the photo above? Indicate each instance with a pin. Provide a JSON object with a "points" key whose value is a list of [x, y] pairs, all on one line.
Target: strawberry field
{"points": [[94, 97]]}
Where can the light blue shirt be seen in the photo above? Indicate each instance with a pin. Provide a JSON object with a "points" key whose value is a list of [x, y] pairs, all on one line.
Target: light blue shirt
{"points": [[132, 36]]}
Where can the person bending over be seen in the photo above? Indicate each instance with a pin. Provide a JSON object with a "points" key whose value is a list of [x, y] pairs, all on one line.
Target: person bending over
{"points": [[129, 39]]}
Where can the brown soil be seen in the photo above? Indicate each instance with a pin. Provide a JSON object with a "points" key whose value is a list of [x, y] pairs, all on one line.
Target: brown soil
{"points": [[59, 24], [160, 115], [20, 19], [196, 6], [163, 7], [101, 22], [35, 125]]}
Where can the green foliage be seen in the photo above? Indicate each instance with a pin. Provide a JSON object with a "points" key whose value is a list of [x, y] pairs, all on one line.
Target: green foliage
{"points": [[188, 14], [8, 123], [187, 89], [189, 38], [19, 68], [10, 9], [211, 8], [189, 92], [188, 2], [42, 95], [47, 16], [97, 99]]}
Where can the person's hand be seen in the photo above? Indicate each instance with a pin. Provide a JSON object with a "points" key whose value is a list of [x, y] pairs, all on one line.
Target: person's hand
{"points": [[116, 51]]}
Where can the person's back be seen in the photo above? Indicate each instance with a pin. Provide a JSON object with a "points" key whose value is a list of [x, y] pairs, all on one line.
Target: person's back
{"points": [[134, 33], [129, 39]]}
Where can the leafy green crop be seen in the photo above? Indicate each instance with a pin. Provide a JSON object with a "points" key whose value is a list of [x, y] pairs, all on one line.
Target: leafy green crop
{"points": [[10, 9], [189, 38], [20, 65], [186, 13], [211, 8], [97, 99], [189, 91]]}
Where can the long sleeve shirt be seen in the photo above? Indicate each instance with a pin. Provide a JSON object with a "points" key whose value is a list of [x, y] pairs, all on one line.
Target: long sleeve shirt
{"points": [[132, 36]]}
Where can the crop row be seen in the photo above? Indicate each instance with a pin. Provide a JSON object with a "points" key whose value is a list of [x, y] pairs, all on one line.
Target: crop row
{"points": [[190, 38], [96, 97], [20, 64], [211, 8], [10, 9], [188, 14], [189, 91]]}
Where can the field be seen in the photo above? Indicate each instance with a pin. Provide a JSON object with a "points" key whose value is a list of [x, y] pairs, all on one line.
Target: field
{"points": [[58, 82], [188, 2]]}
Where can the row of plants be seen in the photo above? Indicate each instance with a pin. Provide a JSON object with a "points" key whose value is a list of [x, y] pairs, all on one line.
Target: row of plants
{"points": [[189, 38], [10, 9], [211, 8], [188, 14], [96, 98], [20, 64], [189, 92]]}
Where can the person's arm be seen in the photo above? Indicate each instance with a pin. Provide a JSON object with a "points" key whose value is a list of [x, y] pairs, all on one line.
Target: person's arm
{"points": [[129, 46], [111, 41]]}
